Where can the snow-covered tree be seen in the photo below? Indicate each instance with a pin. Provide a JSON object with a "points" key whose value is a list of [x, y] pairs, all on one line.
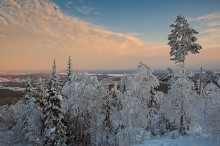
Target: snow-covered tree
{"points": [[27, 117], [211, 91], [165, 125], [219, 82], [167, 78], [112, 121], [28, 90], [69, 69], [178, 101], [82, 106], [41, 94], [137, 89], [55, 130], [41, 101], [153, 112], [182, 40], [210, 77], [7, 135], [206, 111]]}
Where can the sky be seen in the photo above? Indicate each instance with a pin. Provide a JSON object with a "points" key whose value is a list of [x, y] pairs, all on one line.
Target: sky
{"points": [[103, 34]]}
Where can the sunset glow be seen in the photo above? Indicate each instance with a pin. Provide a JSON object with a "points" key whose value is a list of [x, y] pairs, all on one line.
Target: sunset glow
{"points": [[33, 33]]}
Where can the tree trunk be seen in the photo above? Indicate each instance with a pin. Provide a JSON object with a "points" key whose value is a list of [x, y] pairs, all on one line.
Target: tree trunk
{"points": [[182, 129], [200, 82]]}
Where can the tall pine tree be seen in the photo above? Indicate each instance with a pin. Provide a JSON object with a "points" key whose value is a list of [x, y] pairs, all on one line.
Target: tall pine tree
{"points": [[182, 40]]}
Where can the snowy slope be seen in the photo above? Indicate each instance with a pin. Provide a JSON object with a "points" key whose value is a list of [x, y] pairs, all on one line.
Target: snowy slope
{"points": [[192, 139]]}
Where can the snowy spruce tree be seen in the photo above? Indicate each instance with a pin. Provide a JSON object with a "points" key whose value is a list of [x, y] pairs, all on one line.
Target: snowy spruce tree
{"points": [[55, 130], [69, 69], [182, 41], [41, 94], [28, 90]]}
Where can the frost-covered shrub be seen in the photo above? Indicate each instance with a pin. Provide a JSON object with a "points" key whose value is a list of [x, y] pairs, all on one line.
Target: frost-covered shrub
{"points": [[207, 111]]}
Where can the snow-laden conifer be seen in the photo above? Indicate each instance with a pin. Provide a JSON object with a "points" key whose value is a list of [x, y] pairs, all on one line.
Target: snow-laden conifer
{"points": [[41, 94], [55, 130], [69, 69], [41, 101], [28, 90]]}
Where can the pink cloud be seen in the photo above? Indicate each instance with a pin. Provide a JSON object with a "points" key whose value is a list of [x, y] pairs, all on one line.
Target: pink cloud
{"points": [[39, 27]]}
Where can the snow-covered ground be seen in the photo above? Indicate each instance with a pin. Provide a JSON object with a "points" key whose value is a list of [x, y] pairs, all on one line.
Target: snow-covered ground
{"points": [[5, 80], [12, 88], [173, 139], [116, 75]]}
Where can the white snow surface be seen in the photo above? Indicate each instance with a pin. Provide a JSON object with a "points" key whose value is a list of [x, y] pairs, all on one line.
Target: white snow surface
{"points": [[191, 139], [116, 75], [5, 80], [12, 88]]}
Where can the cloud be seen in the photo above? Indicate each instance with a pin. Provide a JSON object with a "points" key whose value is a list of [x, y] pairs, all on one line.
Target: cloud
{"points": [[3, 21], [210, 16], [86, 10], [210, 34], [69, 4], [80, 8], [208, 37], [209, 20], [37, 32]]}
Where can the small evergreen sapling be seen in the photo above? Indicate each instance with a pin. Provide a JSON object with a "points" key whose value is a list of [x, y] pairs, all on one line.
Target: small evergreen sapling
{"points": [[41, 94], [28, 90], [69, 69]]}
